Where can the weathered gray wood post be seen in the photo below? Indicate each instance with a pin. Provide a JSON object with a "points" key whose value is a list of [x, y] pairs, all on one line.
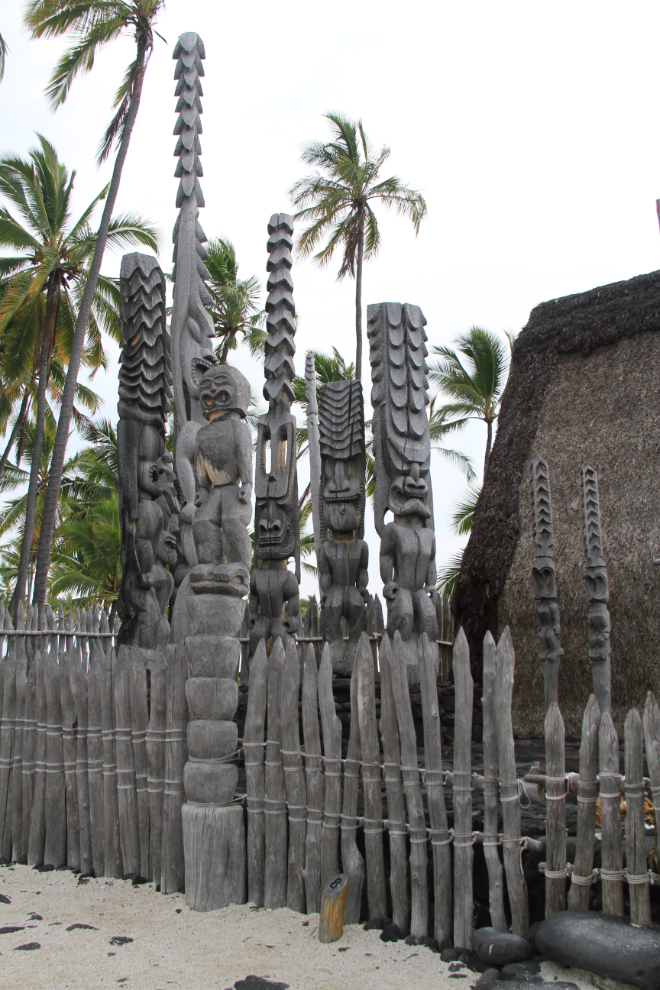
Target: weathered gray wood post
{"points": [[637, 873], [555, 815], [583, 876], [333, 771], [127, 797], [315, 782], [396, 813], [7, 739], [352, 861], [275, 811], [29, 735], [462, 794], [506, 755], [598, 590], [253, 745], [37, 833], [95, 757], [371, 782], [611, 873], [545, 581], [139, 724], [55, 843], [419, 917], [16, 782], [111, 845], [491, 839], [294, 774], [176, 755], [156, 762]]}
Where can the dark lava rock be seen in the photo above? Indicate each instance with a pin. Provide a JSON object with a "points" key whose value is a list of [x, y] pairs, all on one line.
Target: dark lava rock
{"points": [[28, 946], [499, 948], [120, 940], [258, 983], [72, 928], [603, 945], [520, 971], [82, 880], [10, 929], [4, 899], [411, 940], [457, 976], [488, 979], [449, 955], [530, 934], [391, 933], [375, 924], [429, 942], [446, 944], [455, 967], [473, 962], [35, 917]]}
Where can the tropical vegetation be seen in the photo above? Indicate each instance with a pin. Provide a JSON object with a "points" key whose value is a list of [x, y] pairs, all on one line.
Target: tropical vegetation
{"points": [[337, 201]]}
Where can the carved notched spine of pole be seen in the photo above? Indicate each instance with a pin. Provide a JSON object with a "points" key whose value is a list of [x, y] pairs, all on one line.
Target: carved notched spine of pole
{"points": [[545, 581], [597, 588]]}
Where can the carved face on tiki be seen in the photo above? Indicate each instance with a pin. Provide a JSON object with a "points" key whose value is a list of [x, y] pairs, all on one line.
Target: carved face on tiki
{"points": [[545, 581], [342, 493], [274, 531], [409, 494], [222, 390], [549, 629], [597, 586], [599, 631]]}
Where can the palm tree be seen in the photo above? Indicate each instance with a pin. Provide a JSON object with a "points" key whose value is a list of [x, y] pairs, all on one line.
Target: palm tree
{"points": [[93, 24], [461, 525], [86, 558], [336, 201], [3, 56], [54, 256], [476, 384], [234, 308]]}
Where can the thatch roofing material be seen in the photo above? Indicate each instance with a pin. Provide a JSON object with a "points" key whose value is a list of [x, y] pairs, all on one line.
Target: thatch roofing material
{"points": [[584, 388]]}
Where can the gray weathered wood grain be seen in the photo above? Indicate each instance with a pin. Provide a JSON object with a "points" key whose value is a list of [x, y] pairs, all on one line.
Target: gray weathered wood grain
{"points": [[610, 815], [139, 726], [555, 812], [77, 669], [55, 844], [111, 844], [315, 782], [371, 781], [215, 839], [156, 762], [506, 756], [294, 775], [275, 839], [462, 794], [578, 895], [29, 741], [352, 860], [95, 757], [331, 727], [176, 754], [37, 834], [15, 801], [640, 903], [419, 914], [253, 742], [128, 815], [491, 840], [7, 742]]}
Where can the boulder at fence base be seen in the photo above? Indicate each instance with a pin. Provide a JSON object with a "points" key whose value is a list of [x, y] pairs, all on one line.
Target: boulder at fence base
{"points": [[603, 945], [210, 783], [499, 948], [214, 851]]}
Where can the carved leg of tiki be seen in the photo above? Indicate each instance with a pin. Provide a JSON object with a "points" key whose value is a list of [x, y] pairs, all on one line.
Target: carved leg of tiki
{"points": [[355, 612], [207, 528], [236, 516], [400, 614]]}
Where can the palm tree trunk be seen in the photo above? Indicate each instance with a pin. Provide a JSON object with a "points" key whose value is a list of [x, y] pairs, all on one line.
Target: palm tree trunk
{"points": [[358, 301], [64, 422], [33, 485], [22, 413], [224, 353], [489, 444]]}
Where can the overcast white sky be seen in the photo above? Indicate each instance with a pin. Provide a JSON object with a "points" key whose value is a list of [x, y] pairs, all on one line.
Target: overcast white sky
{"points": [[532, 130]]}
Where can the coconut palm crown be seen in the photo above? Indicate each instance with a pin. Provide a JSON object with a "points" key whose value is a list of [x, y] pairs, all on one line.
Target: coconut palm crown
{"points": [[336, 201]]}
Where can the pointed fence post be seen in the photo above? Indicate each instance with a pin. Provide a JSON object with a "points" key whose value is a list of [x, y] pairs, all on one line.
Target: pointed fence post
{"points": [[77, 670], [156, 763], [371, 781], [555, 863], [352, 861], [333, 771], [253, 744], [7, 741], [275, 811], [37, 834], [95, 757], [55, 844], [492, 840], [16, 782], [583, 875], [637, 873], [315, 782], [462, 795], [29, 737], [509, 797], [294, 778], [611, 873], [419, 917], [111, 842]]}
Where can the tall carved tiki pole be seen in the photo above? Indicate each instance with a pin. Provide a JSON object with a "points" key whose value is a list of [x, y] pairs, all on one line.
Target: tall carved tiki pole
{"points": [[598, 590], [402, 455], [147, 499], [214, 469], [192, 328], [343, 557], [545, 581], [274, 592]]}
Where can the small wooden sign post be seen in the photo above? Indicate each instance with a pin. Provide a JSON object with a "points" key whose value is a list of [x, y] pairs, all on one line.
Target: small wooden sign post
{"points": [[333, 905]]}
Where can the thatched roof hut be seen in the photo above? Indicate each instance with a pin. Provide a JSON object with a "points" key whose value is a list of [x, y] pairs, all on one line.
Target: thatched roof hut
{"points": [[584, 388]]}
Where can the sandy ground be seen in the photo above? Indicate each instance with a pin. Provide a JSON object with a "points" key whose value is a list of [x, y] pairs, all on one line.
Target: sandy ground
{"points": [[173, 947]]}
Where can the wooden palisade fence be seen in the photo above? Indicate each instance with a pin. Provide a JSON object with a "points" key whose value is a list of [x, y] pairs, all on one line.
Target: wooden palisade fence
{"points": [[93, 745]]}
